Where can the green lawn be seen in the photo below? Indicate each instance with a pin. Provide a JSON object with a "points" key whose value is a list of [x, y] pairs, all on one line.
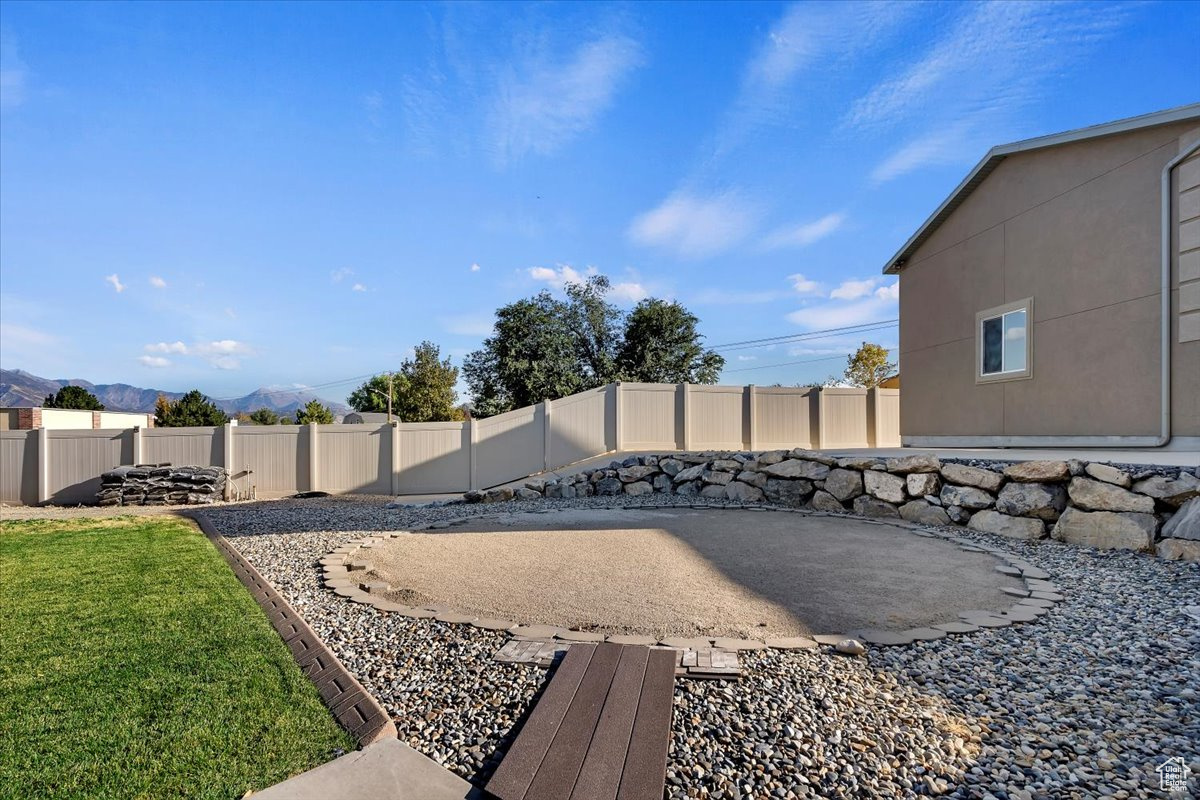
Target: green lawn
{"points": [[134, 664]]}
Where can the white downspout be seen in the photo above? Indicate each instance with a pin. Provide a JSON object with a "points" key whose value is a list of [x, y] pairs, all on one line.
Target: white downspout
{"points": [[1165, 286]]}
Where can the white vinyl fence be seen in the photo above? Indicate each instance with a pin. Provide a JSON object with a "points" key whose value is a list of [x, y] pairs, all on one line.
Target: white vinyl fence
{"points": [[64, 467]]}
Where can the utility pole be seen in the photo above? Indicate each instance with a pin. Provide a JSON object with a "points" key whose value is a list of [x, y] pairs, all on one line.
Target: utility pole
{"points": [[389, 398]]}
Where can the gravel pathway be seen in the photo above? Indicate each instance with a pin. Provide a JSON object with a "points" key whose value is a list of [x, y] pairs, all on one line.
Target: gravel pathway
{"points": [[1085, 702]]}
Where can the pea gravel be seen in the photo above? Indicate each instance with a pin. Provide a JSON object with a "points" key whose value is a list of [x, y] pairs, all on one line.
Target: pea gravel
{"points": [[1085, 702]]}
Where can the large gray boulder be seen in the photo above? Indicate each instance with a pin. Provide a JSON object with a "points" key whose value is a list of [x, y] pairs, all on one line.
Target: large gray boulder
{"points": [[1109, 474], [688, 489], [813, 455], [662, 483], [638, 488], [990, 521], [924, 513], [798, 468], [844, 484], [771, 457], [884, 486], [1106, 530], [689, 474], [605, 487], [1179, 550], [1037, 471], [743, 492], [1174, 492], [717, 478], [958, 515], [917, 463], [964, 475], [787, 493], [500, 494], [867, 506], [966, 496], [714, 491], [563, 491], [525, 493], [756, 479], [1186, 522], [671, 466], [1042, 500], [1092, 495], [636, 473], [824, 501], [857, 462], [726, 465], [923, 483]]}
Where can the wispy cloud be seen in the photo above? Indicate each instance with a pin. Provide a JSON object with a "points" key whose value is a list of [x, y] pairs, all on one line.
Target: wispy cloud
{"points": [[693, 226], [358, 287], [542, 102], [629, 292], [968, 89], [340, 274], [221, 353], [14, 72], [116, 282], [157, 282], [805, 233], [475, 268], [802, 285], [560, 276], [852, 302], [25, 336], [167, 347], [154, 362]]}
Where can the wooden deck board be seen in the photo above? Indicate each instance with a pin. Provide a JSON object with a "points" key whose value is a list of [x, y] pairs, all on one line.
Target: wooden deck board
{"points": [[600, 776], [646, 763]]}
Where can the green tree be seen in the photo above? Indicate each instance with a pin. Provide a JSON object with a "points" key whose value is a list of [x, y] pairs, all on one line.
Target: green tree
{"points": [[868, 366], [314, 412], [73, 397], [531, 356], [191, 410], [661, 345], [263, 416], [373, 394], [595, 325], [428, 388]]}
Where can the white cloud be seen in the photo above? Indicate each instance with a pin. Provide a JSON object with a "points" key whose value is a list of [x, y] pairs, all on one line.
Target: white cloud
{"points": [[116, 282], [225, 362], [358, 287], [952, 144], [806, 233], [889, 292], [695, 227], [157, 282], [168, 347], [475, 268], [747, 358], [631, 292], [559, 278], [154, 362], [222, 347], [339, 275], [854, 289], [802, 285], [541, 104]]}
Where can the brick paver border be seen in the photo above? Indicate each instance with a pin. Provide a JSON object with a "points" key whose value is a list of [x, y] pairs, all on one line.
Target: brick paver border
{"points": [[352, 705]]}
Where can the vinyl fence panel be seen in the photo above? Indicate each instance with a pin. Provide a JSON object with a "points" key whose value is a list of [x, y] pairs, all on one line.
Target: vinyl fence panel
{"points": [[434, 457], [510, 446], [651, 416], [354, 459], [77, 459], [718, 418], [784, 418], [18, 467], [197, 447], [271, 458], [582, 426]]}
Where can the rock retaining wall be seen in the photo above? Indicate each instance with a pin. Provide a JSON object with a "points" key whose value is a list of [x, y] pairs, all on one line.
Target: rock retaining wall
{"points": [[1092, 504], [161, 485]]}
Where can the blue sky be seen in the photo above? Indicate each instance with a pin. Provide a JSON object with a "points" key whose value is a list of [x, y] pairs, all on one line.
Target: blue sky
{"points": [[232, 196]]}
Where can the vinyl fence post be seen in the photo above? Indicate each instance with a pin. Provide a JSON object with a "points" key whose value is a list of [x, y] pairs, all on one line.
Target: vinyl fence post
{"points": [[472, 483], [546, 435], [752, 416], [618, 435], [394, 444], [138, 447], [228, 433], [686, 389], [314, 455], [43, 463]]}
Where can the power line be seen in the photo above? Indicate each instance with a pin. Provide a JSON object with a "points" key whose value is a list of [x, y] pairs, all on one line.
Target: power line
{"points": [[793, 363], [798, 337], [306, 388]]}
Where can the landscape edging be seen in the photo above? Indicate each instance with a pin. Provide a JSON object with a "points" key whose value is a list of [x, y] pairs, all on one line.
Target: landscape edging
{"points": [[354, 708]]}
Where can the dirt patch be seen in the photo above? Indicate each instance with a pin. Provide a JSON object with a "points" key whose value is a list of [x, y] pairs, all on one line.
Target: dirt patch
{"points": [[689, 572]]}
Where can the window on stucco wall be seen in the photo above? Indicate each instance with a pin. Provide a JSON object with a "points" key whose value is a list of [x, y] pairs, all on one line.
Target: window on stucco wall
{"points": [[1004, 346]]}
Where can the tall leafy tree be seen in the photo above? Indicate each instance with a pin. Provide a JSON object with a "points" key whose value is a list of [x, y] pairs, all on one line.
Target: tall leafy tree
{"points": [[373, 394], [596, 327], [314, 412], [263, 416], [422, 389], [191, 410], [868, 366], [531, 356], [661, 345], [73, 397]]}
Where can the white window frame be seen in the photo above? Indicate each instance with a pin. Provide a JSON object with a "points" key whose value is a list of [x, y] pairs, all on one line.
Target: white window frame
{"points": [[1025, 305]]}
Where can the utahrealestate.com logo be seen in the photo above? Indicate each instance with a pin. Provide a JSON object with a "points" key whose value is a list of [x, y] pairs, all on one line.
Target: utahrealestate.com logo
{"points": [[1173, 774]]}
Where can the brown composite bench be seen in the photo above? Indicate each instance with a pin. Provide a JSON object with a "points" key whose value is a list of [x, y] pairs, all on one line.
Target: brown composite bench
{"points": [[599, 732]]}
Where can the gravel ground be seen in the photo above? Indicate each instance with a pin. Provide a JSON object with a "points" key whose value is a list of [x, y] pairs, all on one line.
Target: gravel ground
{"points": [[1085, 702]]}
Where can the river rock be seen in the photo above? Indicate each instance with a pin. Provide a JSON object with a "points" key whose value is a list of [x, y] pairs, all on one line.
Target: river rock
{"points": [[884, 486], [990, 521], [923, 483], [1037, 471], [844, 484], [1106, 530], [867, 506], [798, 468], [1042, 500], [1186, 522], [1109, 474], [824, 501], [924, 513], [964, 475], [1093, 495], [919, 463], [965, 496]]}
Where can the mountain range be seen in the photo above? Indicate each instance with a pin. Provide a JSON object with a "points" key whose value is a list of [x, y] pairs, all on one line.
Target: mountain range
{"points": [[20, 388]]}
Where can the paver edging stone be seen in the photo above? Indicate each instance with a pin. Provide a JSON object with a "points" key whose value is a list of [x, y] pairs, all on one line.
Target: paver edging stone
{"points": [[354, 708]]}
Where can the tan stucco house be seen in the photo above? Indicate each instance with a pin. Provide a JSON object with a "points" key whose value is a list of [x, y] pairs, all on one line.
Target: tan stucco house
{"points": [[1053, 299]]}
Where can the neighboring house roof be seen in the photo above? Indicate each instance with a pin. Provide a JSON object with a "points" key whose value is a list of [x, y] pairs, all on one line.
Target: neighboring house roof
{"points": [[364, 417], [997, 154]]}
